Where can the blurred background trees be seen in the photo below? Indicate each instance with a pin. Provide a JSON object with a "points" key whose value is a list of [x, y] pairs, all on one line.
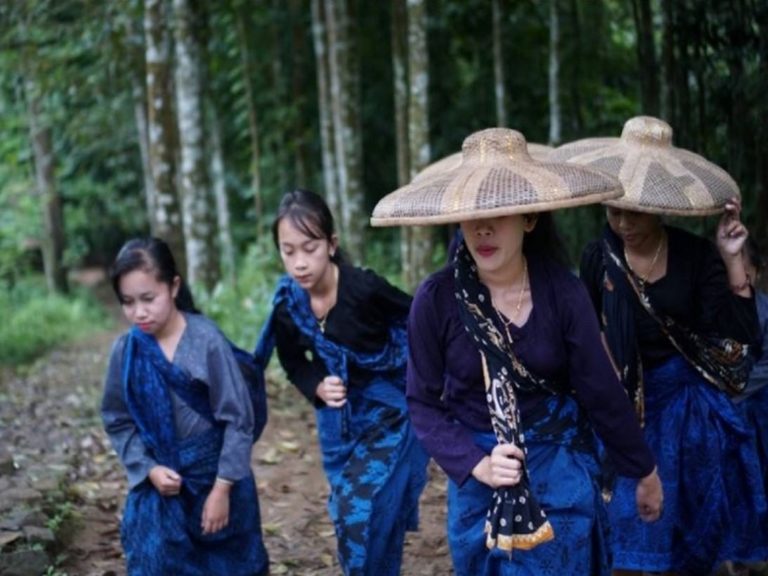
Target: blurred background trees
{"points": [[189, 119]]}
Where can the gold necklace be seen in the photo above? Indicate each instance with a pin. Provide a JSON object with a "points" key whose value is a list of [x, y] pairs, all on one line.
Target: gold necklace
{"points": [[644, 278], [321, 320], [507, 321]]}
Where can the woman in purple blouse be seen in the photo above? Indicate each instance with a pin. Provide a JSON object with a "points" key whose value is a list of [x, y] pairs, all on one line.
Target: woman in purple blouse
{"points": [[506, 310]]}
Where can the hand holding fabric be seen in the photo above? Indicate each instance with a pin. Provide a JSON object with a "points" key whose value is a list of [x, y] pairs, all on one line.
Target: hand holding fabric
{"points": [[165, 480], [332, 391], [504, 467], [649, 497]]}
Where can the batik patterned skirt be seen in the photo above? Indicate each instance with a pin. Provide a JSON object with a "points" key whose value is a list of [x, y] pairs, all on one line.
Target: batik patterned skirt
{"points": [[563, 472], [376, 469], [714, 499], [161, 534]]}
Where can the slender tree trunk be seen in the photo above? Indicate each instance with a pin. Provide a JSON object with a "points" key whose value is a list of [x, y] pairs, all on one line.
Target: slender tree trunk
{"points": [[761, 16], [740, 137], [138, 93], [319, 36], [52, 238], [646, 56], [554, 72], [219, 182], [197, 203], [134, 46], [498, 64], [418, 131], [400, 79], [279, 92], [162, 130], [682, 86], [575, 68], [298, 90], [346, 126], [669, 98], [399, 40], [243, 36]]}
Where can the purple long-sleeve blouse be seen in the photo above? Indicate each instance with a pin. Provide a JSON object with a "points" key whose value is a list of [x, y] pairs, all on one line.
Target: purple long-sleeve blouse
{"points": [[560, 341]]}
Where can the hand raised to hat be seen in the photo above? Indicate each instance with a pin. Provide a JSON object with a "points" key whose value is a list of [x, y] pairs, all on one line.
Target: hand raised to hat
{"points": [[731, 232], [731, 236]]}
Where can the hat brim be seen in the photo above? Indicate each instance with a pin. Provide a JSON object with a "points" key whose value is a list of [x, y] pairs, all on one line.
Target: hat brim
{"points": [[657, 177]]}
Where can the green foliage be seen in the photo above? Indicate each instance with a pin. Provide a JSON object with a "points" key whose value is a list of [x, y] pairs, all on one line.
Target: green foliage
{"points": [[240, 308], [34, 321]]}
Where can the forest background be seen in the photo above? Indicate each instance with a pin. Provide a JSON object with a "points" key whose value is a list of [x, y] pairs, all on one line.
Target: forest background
{"points": [[189, 119]]}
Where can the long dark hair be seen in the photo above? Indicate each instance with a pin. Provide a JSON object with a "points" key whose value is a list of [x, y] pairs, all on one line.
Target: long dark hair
{"points": [[545, 241], [310, 214], [153, 256]]}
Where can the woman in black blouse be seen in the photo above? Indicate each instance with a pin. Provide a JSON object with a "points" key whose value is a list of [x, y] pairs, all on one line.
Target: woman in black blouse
{"points": [[340, 336], [664, 295]]}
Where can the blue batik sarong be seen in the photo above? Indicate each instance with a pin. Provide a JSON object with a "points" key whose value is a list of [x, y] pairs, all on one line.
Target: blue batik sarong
{"points": [[714, 500], [375, 466], [563, 471], [162, 535]]}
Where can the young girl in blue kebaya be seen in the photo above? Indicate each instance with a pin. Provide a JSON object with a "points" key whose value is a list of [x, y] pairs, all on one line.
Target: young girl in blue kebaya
{"points": [[180, 417], [340, 336]]}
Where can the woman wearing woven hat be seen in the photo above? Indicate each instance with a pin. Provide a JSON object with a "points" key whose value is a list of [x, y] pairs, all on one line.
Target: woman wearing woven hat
{"points": [[340, 336], [677, 315], [507, 378]]}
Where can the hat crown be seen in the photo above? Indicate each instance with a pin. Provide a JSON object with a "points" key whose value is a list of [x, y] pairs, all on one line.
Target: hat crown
{"points": [[493, 144], [647, 131]]}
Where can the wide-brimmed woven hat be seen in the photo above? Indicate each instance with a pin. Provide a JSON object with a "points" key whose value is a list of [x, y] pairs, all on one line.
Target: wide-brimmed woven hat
{"points": [[537, 152], [496, 177], [657, 177]]}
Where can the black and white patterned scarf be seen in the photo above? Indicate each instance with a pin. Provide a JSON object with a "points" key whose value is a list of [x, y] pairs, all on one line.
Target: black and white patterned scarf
{"points": [[515, 520]]}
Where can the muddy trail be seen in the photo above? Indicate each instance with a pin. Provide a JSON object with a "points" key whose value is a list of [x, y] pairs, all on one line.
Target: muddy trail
{"points": [[53, 445]]}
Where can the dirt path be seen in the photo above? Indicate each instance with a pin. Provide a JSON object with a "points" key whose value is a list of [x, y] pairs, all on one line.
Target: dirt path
{"points": [[54, 409]]}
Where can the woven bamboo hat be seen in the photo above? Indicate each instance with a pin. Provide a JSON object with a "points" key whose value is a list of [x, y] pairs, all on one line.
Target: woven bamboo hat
{"points": [[496, 177], [538, 152], [657, 177]]}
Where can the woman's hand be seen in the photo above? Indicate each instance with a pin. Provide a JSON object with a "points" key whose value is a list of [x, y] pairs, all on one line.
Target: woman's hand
{"points": [[731, 236], [165, 480], [504, 467], [332, 391], [731, 232], [216, 509], [649, 497]]}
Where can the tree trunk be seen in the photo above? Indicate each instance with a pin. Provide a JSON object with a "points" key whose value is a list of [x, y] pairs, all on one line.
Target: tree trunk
{"points": [[52, 238], [299, 96], [400, 80], [418, 133], [253, 118], [219, 182], [646, 57], [134, 45], [682, 88], [346, 126], [498, 65], [576, 69], [761, 157], [669, 98], [162, 129], [197, 203], [554, 71], [281, 178], [399, 40], [319, 36]]}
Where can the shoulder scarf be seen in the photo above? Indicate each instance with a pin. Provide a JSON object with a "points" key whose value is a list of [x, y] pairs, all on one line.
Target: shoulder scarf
{"points": [[723, 362], [148, 377], [515, 519], [393, 356]]}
